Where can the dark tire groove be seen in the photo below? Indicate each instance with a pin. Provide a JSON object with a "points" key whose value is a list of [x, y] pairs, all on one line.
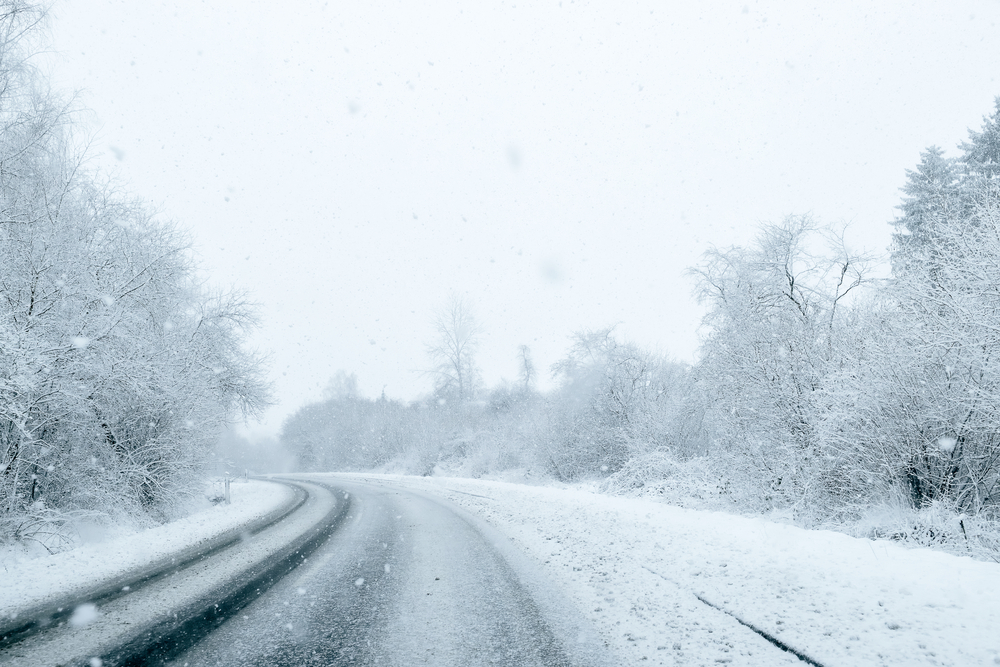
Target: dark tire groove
{"points": [[48, 614], [777, 643], [158, 644], [766, 635]]}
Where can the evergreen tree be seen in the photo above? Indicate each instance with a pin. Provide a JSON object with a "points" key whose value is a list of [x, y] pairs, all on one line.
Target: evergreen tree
{"points": [[931, 196], [982, 151]]}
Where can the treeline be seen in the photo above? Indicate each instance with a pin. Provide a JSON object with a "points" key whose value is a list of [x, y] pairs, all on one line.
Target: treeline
{"points": [[822, 390], [117, 367], [615, 402]]}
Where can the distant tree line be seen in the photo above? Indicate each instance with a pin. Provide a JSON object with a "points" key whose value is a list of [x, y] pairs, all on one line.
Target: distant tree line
{"points": [[614, 401], [117, 367], [822, 390]]}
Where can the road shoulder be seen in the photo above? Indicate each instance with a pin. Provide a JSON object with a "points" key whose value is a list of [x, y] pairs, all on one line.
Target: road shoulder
{"points": [[32, 584]]}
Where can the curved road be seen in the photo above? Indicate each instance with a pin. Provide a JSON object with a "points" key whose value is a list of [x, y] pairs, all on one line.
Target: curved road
{"points": [[404, 580], [160, 600]]}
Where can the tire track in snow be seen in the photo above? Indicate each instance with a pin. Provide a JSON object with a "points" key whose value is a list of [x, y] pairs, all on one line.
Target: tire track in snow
{"points": [[125, 631], [766, 635], [49, 613]]}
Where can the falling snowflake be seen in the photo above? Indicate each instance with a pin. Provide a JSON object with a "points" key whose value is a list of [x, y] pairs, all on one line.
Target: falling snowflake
{"points": [[947, 444], [84, 615]]}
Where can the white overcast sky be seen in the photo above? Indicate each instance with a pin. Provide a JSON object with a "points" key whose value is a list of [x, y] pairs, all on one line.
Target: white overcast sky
{"points": [[560, 163]]}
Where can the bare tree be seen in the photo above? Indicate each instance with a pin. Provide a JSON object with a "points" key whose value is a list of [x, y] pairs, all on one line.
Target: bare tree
{"points": [[613, 404], [341, 386], [452, 352], [526, 374]]}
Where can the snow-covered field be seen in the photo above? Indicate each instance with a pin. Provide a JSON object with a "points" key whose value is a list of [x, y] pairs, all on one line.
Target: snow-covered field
{"points": [[637, 568], [25, 584]]}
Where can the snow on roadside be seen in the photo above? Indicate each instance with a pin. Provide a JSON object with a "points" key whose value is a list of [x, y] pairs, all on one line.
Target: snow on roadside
{"points": [[637, 568], [27, 583]]}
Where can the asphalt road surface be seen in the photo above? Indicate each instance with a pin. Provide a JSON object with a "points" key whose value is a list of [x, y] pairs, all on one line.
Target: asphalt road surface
{"points": [[405, 580]]}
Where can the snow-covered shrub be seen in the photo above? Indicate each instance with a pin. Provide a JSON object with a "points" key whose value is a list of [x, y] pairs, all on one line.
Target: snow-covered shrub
{"points": [[652, 469], [692, 482], [779, 323], [937, 525]]}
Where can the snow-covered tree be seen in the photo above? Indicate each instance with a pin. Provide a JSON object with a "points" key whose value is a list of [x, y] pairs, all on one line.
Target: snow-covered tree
{"points": [[774, 332], [116, 367], [614, 402], [931, 195], [981, 154], [926, 420], [912, 414], [526, 373]]}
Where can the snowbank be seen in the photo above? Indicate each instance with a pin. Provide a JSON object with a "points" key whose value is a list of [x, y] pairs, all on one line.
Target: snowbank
{"points": [[637, 568], [27, 584]]}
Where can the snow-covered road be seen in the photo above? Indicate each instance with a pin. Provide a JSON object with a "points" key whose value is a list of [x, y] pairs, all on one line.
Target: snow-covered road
{"points": [[407, 580], [457, 571], [636, 569]]}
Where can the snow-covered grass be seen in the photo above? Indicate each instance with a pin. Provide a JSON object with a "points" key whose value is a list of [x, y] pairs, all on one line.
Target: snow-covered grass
{"points": [[637, 568], [706, 483], [27, 583]]}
